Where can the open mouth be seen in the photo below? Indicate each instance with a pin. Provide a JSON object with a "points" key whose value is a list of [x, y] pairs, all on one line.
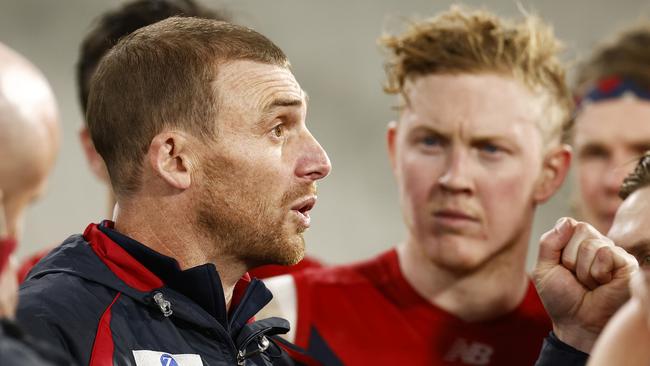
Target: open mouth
{"points": [[302, 208]]}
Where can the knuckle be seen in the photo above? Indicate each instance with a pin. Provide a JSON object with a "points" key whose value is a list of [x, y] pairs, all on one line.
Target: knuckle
{"points": [[581, 228]]}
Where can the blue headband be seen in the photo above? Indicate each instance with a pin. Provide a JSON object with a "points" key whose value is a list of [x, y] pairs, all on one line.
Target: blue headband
{"points": [[613, 87]]}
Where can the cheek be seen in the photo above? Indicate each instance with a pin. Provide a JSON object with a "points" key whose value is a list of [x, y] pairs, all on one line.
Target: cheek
{"points": [[505, 193], [590, 177], [416, 177]]}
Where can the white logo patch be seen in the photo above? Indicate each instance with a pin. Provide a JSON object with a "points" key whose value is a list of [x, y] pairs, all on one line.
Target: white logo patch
{"points": [[153, 358]]}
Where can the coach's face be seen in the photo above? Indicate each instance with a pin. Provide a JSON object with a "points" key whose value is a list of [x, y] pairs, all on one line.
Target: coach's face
{"points": [[259, 176], [631, 227], [470, 166]]}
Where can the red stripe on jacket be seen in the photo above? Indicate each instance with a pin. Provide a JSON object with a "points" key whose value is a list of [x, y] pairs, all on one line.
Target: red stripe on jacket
{"points": [[102, 354]]}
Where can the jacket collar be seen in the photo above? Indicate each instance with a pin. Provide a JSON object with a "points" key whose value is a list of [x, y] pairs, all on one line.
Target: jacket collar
{"points": [[83, 256]]}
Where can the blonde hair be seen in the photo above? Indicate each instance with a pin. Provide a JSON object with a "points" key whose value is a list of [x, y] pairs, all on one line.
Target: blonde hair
{"points": [[461, 40]]}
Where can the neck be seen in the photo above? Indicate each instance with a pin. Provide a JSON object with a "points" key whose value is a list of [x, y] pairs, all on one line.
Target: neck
{"points": [[176, 236], [495, 288]]}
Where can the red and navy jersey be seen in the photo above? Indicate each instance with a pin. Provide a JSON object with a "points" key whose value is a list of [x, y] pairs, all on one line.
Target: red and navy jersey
{"points": [[368, 314]]}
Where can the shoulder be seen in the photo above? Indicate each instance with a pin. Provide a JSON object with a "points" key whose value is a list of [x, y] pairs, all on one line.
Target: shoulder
{"points": [[63, 310], [61, 290]]}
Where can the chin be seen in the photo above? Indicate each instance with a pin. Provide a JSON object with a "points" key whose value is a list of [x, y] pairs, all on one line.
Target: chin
{"points": [[459, 256], [286, 252], [459, 264]]}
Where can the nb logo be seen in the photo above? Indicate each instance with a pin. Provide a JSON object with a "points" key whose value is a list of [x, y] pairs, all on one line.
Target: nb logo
{"points": [[167, 360], [469, 353]]}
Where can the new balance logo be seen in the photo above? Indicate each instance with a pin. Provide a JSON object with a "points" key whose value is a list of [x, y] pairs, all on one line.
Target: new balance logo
{"points": [[167, 360], [469, 353]]}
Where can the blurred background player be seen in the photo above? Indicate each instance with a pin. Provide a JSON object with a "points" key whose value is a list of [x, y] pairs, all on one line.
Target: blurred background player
{"points": [[611, 126], [29, 141]]}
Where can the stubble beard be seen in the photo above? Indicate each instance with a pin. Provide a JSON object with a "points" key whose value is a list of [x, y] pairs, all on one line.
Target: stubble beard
{"points": [[236, 216]]}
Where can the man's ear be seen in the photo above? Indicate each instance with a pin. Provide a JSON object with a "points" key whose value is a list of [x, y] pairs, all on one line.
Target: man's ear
{"points": [[95, 161], [170, 158], [391, 136], [554, 170]]}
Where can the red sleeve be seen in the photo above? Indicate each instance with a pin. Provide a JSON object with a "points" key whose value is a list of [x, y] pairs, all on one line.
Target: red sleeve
{"points": [[7, 246]]}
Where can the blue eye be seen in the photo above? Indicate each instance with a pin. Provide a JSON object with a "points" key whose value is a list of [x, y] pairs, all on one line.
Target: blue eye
{"points": [[430, 141], [490, 148]]}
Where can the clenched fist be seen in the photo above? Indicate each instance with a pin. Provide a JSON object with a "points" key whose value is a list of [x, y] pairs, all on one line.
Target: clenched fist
{"points": [[582, 278]]}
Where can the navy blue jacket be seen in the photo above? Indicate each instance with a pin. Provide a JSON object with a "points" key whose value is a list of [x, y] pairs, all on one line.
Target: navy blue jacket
{"points": [[557, 353], [18, 349], [92, 299]]}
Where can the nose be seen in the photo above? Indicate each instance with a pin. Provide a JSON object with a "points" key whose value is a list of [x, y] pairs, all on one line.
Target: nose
{"points": [[618, 169], [313, 163], [456, 174], [614, 178]]}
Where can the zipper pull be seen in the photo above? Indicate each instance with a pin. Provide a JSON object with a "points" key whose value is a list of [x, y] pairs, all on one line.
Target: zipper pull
{"points": [[164, 305], [262, 345]]}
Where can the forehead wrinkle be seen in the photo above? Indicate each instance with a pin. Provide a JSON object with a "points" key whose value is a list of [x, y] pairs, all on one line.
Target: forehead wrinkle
{"points": [[262, 92]]}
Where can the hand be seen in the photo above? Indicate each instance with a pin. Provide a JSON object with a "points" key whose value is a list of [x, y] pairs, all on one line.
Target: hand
{"points": [[582, 279]]}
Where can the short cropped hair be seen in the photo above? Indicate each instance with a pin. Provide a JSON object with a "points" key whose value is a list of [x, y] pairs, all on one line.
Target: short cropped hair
{"points": [[627, 55], [118, 23], [638, 179], [163, 77], [462, 40]]}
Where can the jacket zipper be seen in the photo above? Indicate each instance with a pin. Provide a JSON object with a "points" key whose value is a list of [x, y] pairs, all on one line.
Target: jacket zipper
{"points": [[166, 308]]}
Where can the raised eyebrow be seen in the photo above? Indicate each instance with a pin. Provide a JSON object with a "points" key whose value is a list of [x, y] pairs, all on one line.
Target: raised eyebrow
{"points": [[279, 103], [286, 102], [282, 102]]}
